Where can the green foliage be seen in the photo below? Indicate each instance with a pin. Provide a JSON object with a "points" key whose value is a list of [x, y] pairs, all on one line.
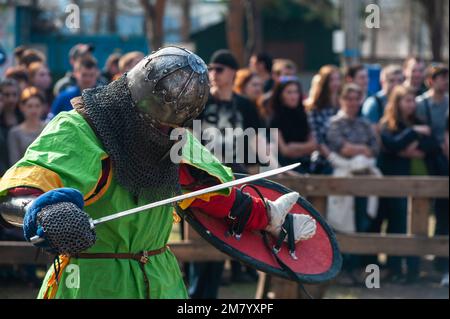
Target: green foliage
{"points": [[306, 10]]}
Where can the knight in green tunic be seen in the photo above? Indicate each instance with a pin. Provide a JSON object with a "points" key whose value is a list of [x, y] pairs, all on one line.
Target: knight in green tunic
{"points": [[114, 150]]}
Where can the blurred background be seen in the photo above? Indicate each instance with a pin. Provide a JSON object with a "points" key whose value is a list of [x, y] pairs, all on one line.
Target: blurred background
{"points": [[310, 33]]}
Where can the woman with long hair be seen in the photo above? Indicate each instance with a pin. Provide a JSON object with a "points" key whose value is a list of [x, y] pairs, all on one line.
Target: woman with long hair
{"points": [[32, 105], [11, 115], [249, 85], [41, 78], [322, 104], [409, 148], [296, 142]]}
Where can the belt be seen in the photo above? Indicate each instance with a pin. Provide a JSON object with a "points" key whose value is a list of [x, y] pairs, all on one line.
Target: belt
{"points": [[141, 257]]}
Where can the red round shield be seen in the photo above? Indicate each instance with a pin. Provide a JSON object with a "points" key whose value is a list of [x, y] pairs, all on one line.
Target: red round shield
{"points": [[318, 260]]}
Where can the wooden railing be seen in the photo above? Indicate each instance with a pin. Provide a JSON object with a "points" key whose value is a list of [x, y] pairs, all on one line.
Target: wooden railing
{"points": [[420, 191]]}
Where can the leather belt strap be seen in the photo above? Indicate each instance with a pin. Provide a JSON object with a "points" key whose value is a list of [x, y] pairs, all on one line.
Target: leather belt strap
{"points": [[142, 258]]}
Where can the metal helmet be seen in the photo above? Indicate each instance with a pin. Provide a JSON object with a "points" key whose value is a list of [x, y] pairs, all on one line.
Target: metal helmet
{"points": [[170, 86]]}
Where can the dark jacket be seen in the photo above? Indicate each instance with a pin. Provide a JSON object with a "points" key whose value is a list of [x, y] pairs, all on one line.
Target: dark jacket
{"points": [[397, 141]]}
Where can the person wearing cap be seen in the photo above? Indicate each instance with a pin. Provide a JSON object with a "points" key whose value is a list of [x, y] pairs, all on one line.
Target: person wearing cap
{"points": [[224, 109], [77, 52]]}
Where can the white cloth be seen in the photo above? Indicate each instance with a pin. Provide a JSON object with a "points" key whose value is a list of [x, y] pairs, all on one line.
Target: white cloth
{"points": [[341, 209], [304, 225]]}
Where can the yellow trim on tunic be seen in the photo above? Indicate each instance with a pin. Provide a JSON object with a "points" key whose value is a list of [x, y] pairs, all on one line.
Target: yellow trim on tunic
{"points": [[52, 284], [30, 176], [102, 191], [205, 197]]}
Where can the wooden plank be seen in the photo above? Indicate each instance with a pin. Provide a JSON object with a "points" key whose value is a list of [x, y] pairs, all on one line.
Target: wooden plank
{"points": [[320, 204], [282, 289], [395, 245], [262, 286], [189, 233], [270, 287], [196, 251], [391, 186], [18, 252], [418, 216]]}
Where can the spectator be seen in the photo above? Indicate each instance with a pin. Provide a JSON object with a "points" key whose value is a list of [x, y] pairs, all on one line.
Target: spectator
{"points": [[24, 57], [354, 147], [261, 64], [11, 115], [129, 60], [224, 109], [86, 74], [284, 67], [373, 107], [432, 109], [248, 84], [79, 51], [41, 78], [296, 142], [432, 106], [32, 104], [322, 104], [20, 74], [445, 278], [409, 148], [4, 164], [414, 73], [111, 68], [348, 135], [359, 75], [18, 52]]}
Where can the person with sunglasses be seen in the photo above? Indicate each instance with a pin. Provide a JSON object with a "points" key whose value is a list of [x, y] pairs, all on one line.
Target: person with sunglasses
{"points": [[224, 109]]}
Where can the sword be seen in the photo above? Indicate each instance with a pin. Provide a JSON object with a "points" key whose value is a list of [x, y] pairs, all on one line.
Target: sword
{"points": [[212, 189], [199, 192]]}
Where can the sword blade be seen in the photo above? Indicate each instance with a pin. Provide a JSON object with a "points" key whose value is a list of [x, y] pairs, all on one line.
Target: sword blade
{"points": [[203, 191]]}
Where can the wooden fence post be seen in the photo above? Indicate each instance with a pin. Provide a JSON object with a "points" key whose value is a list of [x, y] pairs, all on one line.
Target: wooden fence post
{"points": [[418, 216]]}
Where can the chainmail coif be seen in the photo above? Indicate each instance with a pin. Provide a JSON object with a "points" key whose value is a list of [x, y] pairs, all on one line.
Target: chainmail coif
{"points": [[139, 152]]}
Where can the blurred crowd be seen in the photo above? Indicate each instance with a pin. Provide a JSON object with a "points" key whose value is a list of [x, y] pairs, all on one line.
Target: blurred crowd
{"points": [[336, 128]]}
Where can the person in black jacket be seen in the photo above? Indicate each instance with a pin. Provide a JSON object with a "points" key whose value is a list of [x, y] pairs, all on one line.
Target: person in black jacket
{"points": [[296, 142], [4, 161], [409, 148]]}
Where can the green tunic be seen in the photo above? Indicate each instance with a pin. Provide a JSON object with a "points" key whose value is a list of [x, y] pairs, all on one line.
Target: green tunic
{"points": [[69, 148]]}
